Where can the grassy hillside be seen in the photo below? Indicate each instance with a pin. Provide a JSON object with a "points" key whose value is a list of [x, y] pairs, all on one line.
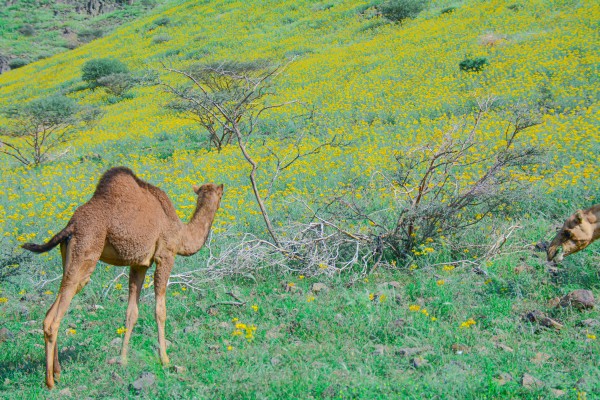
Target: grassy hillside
{"points": [[31, 30], [379, 86]]}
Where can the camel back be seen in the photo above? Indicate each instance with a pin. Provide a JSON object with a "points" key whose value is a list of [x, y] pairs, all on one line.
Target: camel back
{"points": [[106, 181]]}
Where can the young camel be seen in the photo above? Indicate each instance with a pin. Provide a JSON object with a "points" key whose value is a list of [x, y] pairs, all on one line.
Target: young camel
{"points": [[578, 231], [127, 222]]}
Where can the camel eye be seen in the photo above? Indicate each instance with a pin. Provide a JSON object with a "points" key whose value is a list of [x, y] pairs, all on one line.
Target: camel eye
{"points": [[568, 234]]}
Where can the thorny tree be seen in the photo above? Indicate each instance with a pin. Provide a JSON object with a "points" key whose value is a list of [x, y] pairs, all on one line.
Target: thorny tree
{"points": [[229, 100], [37, 128], [432, 195]]}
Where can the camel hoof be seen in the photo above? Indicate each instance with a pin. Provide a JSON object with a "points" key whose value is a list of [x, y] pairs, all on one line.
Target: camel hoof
{"points": [[57, 376]]}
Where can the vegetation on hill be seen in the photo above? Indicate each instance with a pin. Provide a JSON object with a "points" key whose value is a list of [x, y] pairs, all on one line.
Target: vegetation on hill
{"points": [[31, 30], [387, 96]]}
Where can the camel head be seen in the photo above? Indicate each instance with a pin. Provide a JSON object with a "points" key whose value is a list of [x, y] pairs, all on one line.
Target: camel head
{"points": [[575, 235], [208, 191]]}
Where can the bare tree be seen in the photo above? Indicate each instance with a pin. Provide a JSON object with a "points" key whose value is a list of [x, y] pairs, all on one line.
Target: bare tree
{"points": [[229, 99], [431, 198]]}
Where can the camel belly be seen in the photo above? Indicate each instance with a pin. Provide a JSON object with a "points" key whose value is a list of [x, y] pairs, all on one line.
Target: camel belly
{"points": [[127, 255]]}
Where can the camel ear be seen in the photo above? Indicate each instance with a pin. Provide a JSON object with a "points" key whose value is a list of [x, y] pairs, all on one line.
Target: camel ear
{"points": [[196, 188], [578, 216], [221, 186]]}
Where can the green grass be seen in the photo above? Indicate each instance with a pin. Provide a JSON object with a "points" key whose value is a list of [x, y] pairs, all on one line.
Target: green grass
{"points": [[339, 345]]}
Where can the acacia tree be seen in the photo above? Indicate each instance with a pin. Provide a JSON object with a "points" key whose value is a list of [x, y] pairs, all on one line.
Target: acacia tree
{"points": [[228, 100], [37, 128]]}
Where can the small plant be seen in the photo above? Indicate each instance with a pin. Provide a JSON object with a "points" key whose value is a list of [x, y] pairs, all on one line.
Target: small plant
{"points": [[87, 35], [116, 84], [399, 10], [17, 63], [448, 10], [158, 39], [27, 30], [473, 64], [162, 21], [98, 68]]}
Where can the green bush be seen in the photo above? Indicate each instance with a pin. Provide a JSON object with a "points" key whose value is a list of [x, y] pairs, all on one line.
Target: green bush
{"points": [[17, 63], [162, 21], [98, 68], [473, 64], [87, 35], [399, 10], [27, 30], [116, 84], [161, 39]]}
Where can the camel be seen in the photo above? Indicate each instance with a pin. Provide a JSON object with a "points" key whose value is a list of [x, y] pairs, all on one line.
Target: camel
{"points": [[127, 222], [578, 231]]}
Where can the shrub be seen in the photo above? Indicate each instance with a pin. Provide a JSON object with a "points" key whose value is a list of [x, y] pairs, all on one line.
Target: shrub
{"points": [[17, 63], [399, 10], [473, 64], [448, 10], [116, 84], [38, 127], [99, 68], [161, 39], [162, 21], [88, 35], [27, 30]]}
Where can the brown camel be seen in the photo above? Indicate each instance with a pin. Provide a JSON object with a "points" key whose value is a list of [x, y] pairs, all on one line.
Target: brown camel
{"points": [[578, 231], [127, 222]]}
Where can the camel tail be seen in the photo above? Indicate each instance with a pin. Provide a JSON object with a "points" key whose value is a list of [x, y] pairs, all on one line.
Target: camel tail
{"points": [[60, 237]]}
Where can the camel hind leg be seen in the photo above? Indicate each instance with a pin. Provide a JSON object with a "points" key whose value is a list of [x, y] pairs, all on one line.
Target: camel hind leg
{"points": [[136, 280], [76, 274]]}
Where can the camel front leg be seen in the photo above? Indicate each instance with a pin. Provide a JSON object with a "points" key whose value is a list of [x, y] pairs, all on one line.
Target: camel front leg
{"points": [[136, 280], [161, 278]]}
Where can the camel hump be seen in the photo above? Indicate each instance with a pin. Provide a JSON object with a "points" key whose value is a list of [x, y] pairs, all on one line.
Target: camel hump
{"points": [[114, 183]]}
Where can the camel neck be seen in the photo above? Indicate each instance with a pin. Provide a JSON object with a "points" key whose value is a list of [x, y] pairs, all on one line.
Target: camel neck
{"points": [[195, 232]]}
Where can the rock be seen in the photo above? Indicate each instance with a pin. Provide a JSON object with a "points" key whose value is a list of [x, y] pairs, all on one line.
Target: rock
{"points": [[275, 361], [319, 287], [212, 311], [580, 299], [531, 382], [558, 392], [275, 332], [116, 342], [540, 358], [504, 347], [4, 67], [522, 268], [589, 323], [379, 350], [65, 392], [339, 319], [503, 378], [29, 323], [5, 335], [391, 284], [178, 369], [146, 380], [542, 319], [115, 377], [222, 325], [581, 384], [460, 348], [418, 362], [398, 323], [96, 307], [114, 360], [541, 246], [411, 351], [553, 302]]}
